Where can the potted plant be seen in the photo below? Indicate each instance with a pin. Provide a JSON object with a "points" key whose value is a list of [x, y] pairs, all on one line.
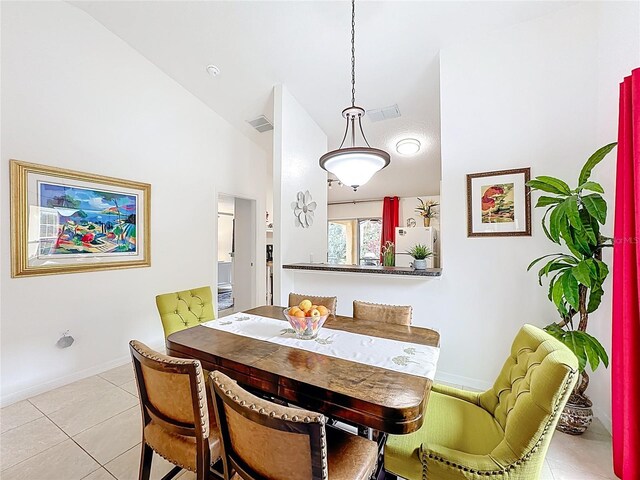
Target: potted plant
{"points": [[388, 254], [420, 253], [573, 218], [427, 210]]}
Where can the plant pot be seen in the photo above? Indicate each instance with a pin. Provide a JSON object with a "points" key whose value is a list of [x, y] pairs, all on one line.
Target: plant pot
{"points": [[420, 264], [427, 221], [576, 416]]}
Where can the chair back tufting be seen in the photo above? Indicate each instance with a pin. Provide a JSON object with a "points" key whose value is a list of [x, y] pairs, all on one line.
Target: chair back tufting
{"points": [[534, 384], [185, 309]]}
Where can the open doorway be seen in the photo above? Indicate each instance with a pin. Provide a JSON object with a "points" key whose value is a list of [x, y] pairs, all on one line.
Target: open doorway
{"points": [[236, 254]]}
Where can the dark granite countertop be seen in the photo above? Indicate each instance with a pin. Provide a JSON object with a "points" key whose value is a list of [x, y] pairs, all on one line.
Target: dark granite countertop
{"points": [[399, 271]]}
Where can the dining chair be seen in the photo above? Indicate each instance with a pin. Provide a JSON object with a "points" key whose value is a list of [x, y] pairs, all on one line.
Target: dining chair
{"points": [[176, 422], [181, 310], [330, 302], [503, 433], [398, 314], [262, 440]]}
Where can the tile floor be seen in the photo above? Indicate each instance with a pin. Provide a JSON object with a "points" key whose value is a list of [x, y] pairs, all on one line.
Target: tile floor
{"points": [[91, 430]]}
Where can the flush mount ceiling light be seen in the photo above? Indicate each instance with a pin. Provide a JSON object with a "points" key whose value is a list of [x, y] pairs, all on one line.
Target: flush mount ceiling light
{"points": [[354, 165], [408, 146], [213, 70]]}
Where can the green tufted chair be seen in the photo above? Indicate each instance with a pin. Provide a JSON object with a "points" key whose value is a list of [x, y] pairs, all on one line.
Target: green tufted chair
{"points": [[185, 309], [502, 433]]}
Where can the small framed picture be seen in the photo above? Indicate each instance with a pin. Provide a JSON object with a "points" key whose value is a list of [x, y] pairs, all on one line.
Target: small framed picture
{"points": [[63, 221], [499, 203]]}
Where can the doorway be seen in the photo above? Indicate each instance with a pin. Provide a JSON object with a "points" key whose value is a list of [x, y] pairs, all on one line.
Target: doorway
{"points": [[236, 254]]}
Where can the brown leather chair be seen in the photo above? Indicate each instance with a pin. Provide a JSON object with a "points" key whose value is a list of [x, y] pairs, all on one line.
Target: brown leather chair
{"points": [[263, 440], [175, 413], [330, 302], [377, 312]]}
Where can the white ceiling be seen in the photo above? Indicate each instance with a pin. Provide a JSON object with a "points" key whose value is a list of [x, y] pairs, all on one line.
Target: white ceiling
{"points": [[305, 45]]}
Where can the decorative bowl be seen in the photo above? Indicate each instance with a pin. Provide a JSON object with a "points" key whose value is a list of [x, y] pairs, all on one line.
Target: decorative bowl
{"points": [[306, 328]]}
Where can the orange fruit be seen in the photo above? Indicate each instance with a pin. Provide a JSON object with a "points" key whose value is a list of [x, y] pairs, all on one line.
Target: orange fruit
{"points": [[323, 310], [293, 310], [299, 314], [305, 305]]}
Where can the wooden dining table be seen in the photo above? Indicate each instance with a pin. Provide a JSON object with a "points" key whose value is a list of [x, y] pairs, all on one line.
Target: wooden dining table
{"points": [[356, 393]]}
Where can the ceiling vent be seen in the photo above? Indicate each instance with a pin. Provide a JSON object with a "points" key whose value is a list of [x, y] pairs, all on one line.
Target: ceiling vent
{"points": [[385, 113], [262, 124]]}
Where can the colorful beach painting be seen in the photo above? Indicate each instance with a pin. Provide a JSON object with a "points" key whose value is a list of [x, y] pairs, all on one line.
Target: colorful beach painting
{"points": [[497, 203], [83, 221]]}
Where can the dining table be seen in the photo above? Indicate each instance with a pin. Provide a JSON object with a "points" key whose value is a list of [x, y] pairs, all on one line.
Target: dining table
{"points": [[356, 393]]}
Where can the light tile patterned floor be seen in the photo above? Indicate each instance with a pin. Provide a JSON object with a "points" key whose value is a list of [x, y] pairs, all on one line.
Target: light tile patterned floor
{"points": [[90, 430]]}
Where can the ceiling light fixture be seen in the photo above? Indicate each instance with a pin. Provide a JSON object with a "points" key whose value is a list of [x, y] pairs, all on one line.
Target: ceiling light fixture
{"points": [[408, 146], [213, 70], [354, 165]]}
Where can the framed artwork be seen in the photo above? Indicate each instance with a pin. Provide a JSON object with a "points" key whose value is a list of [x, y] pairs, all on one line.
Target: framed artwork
{"points": [[63, 221], [499, 203]]}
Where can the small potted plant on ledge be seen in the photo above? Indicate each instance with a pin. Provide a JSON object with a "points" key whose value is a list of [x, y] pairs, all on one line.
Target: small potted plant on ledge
{"points": [[573, 218], [388, 254], [420, 253], [427, 210]]}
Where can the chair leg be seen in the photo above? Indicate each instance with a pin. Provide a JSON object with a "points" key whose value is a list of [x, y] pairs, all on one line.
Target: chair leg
{"points": [[174, 471], [146, 455]]}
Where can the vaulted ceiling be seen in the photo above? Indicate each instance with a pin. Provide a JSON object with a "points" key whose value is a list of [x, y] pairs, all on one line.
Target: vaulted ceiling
{"points": [[305, 45]]}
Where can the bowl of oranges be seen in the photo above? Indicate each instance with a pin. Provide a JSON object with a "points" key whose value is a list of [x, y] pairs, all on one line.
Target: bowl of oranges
{"points": [[306, 318]]}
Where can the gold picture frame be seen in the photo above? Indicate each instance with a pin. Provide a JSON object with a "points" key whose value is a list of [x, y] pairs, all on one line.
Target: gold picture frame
{"points": [[65, 221], [499, 203]]}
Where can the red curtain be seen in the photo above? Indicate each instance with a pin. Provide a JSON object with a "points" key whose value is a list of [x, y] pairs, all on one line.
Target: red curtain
{"points": [[390, 219], [625, 362]]}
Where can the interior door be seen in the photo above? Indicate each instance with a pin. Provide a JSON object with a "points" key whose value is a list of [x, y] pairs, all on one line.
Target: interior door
{"points": [[244, 262]]}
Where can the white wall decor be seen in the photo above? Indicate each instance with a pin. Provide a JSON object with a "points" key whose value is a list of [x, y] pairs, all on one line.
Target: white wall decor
{"points": [[303, 209]]}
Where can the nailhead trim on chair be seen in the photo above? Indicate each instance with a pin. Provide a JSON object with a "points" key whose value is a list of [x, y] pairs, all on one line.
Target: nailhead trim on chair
{"points": [[199, 380], [424, 455], [319, 418]]}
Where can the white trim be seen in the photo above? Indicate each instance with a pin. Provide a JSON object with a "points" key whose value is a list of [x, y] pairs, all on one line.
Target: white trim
{"points": [[604, 417], [453, 379], [34, 390]]}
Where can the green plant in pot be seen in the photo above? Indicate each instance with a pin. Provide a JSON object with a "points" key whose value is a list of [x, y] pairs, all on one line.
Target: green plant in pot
{"points": [[573, 219], [420, 253]]}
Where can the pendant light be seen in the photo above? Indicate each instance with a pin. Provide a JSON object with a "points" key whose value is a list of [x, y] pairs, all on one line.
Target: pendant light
{"points": [[354, 165]]}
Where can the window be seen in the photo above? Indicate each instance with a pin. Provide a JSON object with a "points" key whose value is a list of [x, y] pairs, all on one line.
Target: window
{"points": [[340, 238], [354, 241], [369, 237]]}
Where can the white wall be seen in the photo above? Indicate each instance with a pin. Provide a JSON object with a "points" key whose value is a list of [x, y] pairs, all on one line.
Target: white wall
{"points": [[540, 94], [345, 211], [298, 144], [76, 96]]}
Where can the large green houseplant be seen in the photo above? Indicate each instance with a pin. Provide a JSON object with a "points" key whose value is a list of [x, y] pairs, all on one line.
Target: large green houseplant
{"points": [[573, 218]]}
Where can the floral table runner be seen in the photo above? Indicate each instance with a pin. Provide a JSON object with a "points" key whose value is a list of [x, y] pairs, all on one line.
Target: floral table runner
{"points": [[404, 357]]}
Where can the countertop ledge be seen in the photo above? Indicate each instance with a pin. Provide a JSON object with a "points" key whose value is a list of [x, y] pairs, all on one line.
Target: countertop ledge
{"points": [[401, 271]]}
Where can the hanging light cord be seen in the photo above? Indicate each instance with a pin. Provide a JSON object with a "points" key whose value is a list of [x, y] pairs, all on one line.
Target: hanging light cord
{"points": [[353, 53]]}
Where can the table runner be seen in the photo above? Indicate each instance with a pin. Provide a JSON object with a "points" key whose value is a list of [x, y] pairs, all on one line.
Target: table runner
{"points": [[404, 357]]}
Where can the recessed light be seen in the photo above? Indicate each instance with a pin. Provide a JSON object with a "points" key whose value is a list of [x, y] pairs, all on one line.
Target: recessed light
{"points": [[213, 70], [408, 146]]}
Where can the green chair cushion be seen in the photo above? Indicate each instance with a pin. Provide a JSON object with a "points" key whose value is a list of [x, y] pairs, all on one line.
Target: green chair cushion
{"points": [[447, 423], [185, 309], [502, 433]]}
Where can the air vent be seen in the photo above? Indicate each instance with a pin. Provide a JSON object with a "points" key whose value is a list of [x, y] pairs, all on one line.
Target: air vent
{"points": [[385, 113], [261, 124]]}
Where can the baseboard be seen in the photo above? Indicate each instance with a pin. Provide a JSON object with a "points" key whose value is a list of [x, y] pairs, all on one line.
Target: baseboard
{"points": [[453, 379], [605, 417], [34, 390]]}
